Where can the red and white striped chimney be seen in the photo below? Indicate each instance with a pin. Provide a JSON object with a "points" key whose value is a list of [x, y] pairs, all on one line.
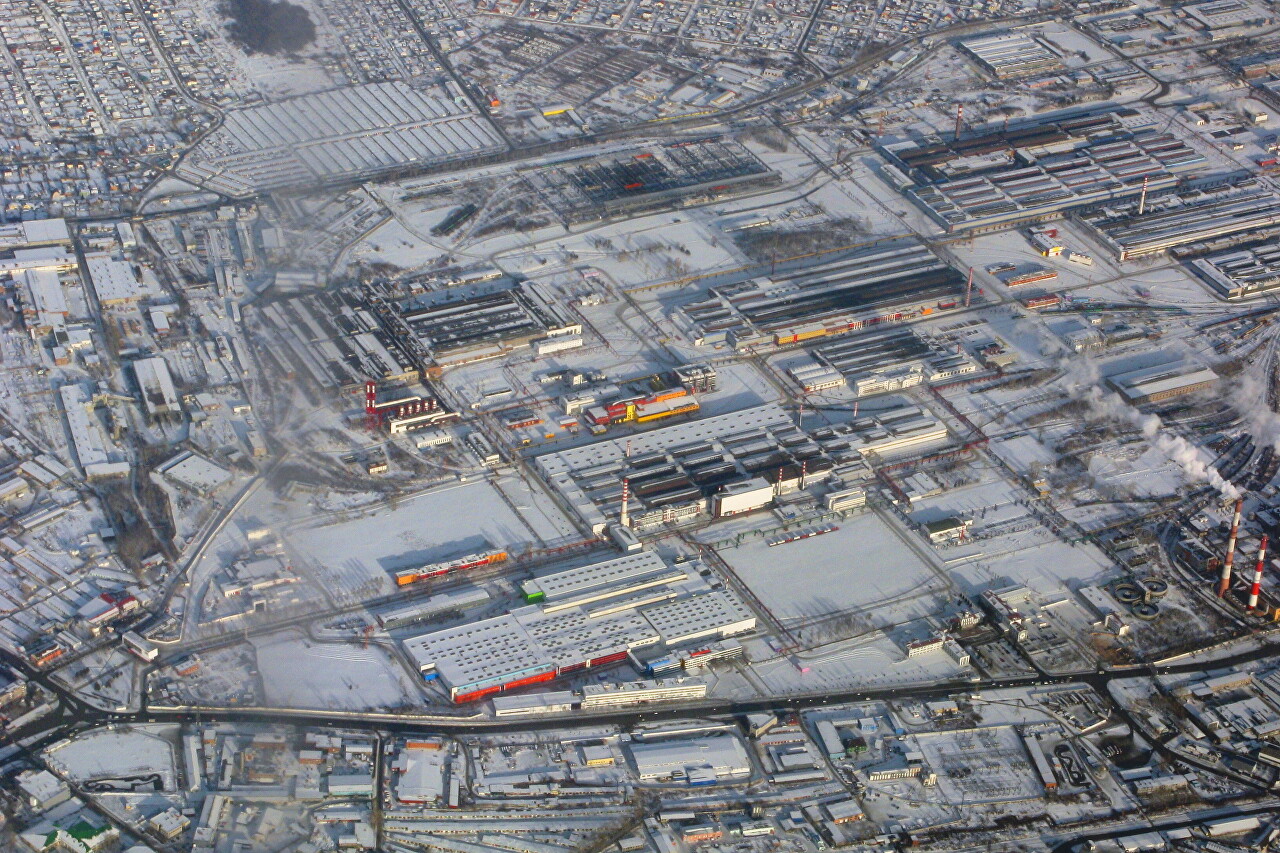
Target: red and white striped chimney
{"points": [[1224, 583], [625, 515], [1256, 590]]}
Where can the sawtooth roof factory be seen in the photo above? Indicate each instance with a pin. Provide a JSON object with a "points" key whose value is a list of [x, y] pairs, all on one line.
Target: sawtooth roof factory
{"points": [[1241, 273], [686, 470], [635, 183], [890, 360], [997, 180], [476, 320], [1008, 56], [577, 619], [344, 134], [1183, 221], [891, 281]]}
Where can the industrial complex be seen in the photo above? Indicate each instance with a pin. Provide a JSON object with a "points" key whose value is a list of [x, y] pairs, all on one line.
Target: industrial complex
{"points": [[883, 283], [579, 619], [1041, 171], [639, 427]]}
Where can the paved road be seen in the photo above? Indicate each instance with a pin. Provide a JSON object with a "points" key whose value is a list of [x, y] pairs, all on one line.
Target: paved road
{"points": [[85, 713]]}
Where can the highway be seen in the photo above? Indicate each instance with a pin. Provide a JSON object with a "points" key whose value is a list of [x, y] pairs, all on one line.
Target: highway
{"points": [[82, 713]]}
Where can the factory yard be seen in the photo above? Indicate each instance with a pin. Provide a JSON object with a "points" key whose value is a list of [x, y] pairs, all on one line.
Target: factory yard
{"points": [[863, 569], [347, 555]]}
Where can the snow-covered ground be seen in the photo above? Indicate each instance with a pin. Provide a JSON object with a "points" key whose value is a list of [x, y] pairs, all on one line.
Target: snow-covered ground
{"points": [[107, 754], [301, 673], [350, 553], [863, 566]]}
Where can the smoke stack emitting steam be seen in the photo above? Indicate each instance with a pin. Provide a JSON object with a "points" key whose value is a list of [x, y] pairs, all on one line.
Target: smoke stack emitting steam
{"points": [[1225, 581]]}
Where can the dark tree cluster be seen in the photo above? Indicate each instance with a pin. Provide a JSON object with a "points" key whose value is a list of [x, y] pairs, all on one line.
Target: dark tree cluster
{"points": [[269, 26]]}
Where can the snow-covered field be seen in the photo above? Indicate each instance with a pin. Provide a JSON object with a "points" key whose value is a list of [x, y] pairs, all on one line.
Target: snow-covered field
{"points": [[108, 754], [862, 565], [300, 673], [451, 521]]}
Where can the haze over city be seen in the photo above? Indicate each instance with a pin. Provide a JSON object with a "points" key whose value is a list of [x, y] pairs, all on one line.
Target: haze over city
{"points": [[686, 426]]}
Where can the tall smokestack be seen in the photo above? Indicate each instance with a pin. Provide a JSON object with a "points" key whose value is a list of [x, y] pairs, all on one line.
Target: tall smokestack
{"points": [[959, 118], [1256, 590], [968, 289], [1142, 202], [371, 418], [624, 515], [1225, 581]]}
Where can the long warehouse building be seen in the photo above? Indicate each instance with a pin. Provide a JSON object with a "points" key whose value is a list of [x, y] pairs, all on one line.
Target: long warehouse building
{"points": [[1162, 382], [541, 642], [887, 282], [1204, 219], [674, 473], [998, 180]]}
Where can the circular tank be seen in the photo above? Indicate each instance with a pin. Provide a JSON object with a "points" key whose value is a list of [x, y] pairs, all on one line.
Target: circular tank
{"points": [[1155, 587], [1127, 593], [1145, 611]]}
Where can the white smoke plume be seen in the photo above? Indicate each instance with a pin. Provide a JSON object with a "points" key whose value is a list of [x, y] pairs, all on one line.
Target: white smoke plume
{"points": [[1248, 396], [1083, 380]]}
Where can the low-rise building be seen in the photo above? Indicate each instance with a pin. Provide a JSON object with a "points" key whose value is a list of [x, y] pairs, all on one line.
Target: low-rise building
{"points": [[698, 761]]}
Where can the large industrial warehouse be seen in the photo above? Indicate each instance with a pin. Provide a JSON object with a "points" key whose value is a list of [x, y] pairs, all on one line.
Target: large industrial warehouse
{"points": [[1008, 56], [357, 132], [582, 618], [1196, 220], [462, 320], [330, 340], [1241, 273], [886, 282], [997, 180], [869, 362], [675, 473], [1162, 382], [643, 181], [898, 428]]}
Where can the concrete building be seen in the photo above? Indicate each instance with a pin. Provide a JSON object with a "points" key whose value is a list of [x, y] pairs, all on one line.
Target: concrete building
{"points": [[1162, 382], [698, 761], [13, 488], [814, 378], [552, 702], [42, 789], [350, 785], [159, 396], [641, 692], [536, 644], [169, 824], [947, 530], [742, 497], [420, 771]]}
